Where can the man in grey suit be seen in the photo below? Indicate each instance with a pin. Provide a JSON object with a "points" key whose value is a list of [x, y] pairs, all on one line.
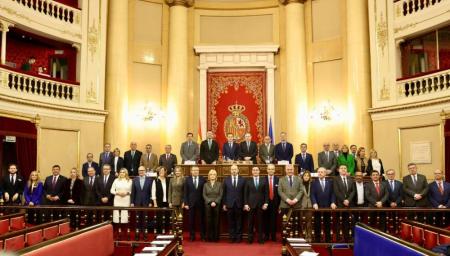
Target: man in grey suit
{"points": [[189, 149], [415, 188], [377, 195], [267, 151], [290, 189], [327, 159]]}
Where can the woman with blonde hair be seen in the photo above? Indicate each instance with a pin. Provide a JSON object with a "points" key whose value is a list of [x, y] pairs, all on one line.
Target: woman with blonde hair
{"points": [[212, 194], [121, 189], [347, 159], [361, 161], [176, 189], [375, 163], [73, 188], [32, 193]]}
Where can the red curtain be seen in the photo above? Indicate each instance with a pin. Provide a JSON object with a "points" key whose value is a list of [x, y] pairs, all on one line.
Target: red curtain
{"points": [[26, 149], [237, 104]]}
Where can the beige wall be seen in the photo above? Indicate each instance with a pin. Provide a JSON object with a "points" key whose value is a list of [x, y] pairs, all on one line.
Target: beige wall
{"points": [[392, 138]]}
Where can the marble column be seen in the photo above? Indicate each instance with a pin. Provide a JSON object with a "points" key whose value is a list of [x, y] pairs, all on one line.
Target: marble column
{"points": [[177, 80], [358, 74], [5, 28], [296, 77], [116, 100]]}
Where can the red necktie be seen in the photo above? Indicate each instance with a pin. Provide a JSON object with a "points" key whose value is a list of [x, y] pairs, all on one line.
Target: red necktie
{"points": [[377, 187], [270, 188], [441, 189]]}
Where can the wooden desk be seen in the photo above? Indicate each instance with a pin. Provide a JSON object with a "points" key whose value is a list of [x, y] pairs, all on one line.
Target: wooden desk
{"points": [[295, 251], [223, 170]]}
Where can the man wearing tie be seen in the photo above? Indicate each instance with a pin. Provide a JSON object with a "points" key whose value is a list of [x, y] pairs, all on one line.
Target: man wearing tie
{"points": [[209, 149], [322, 196], [267, 151], [256, 201], [149, 160], [344, 190], [53, 187], [395, 189], [141, 188], [132, 159], [248, 149], [377, 195], [271, 214], [353, 150], [104, 187], [327, 159], [304, 160], [290, 189], [168, 160], [284, 151], [230, 149], [194, 203], [13, 185], [415, 188], [105, 156], [336, 152], [233, 201], [189, 149], [90, 163], [439, 195], [89, 192]]}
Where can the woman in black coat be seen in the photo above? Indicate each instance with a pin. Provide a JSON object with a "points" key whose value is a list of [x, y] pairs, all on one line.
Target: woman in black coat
{"points": [[72, 193]]}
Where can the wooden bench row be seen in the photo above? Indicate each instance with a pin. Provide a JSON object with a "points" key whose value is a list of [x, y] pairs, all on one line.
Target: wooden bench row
{"points": [[424, 235]]}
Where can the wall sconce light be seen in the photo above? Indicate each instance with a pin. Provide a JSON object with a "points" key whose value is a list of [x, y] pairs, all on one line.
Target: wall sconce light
{"points": [[150, 113], [326, 112]]}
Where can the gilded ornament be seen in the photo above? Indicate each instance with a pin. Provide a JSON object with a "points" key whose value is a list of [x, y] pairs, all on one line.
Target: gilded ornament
{"points": [[186, 3], [382, 33], [91, 95], [93, 39]]}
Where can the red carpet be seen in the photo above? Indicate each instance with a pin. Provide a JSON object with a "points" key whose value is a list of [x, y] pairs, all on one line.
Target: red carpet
{"points": [[223, 248]]}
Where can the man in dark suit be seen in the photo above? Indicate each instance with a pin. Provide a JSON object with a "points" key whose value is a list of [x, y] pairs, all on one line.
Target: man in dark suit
{"points": [[255, 202], [322, 196], [395, 189], [353, 150], [344, 190], [132, 159], [284, 151], [230, 149], [13, 185], [377, 195], [53, 187], [141, 188], [168, 160], [439, 191], [104, 185], [90, 163], [105, 156], [327, 159], [193, 202], [116, 162], [304, 160], [89, 192], [233, 201], [271, 214], [267, 151], [209, 149], [415, 188], [248, 149]]}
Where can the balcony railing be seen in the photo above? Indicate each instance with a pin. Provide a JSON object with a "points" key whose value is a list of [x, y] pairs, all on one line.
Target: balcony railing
{"points": [[409, 7], [425, 87], [27, 86], [53, 9]]}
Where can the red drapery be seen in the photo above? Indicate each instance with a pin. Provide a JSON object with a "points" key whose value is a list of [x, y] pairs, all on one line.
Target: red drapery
{"points": [[237, 104]]}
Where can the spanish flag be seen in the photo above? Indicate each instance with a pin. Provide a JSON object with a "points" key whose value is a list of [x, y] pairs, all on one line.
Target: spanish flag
{"points": [[199, 135]]}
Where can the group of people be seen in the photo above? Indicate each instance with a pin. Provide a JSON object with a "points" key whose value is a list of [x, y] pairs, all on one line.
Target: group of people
{"points": [[263, 197]]}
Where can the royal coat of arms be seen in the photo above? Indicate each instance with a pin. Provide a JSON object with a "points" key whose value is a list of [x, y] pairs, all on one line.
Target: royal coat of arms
{"points": [[236, 123]]}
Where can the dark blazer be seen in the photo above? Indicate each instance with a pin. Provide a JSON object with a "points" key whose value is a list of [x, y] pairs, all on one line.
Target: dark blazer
{"points": [[212, 194], [230, 153], [84, 169], [396, 195], [54, 191], [435, 196], [341, 193], [276, 196], [119, 165], [103, 159], [169, 164], [307, 164], [245, 151], [104, 190], [35, 195], [141, 196], [323, 198], [132, 163], [370, 167], [371, 195], [89, 192], [409, 190], [256, 197], [284, 155], [159, 192], [209, 155], [329, 163], [77, 191], [192, 196], [12, 189], [233, 197]]}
